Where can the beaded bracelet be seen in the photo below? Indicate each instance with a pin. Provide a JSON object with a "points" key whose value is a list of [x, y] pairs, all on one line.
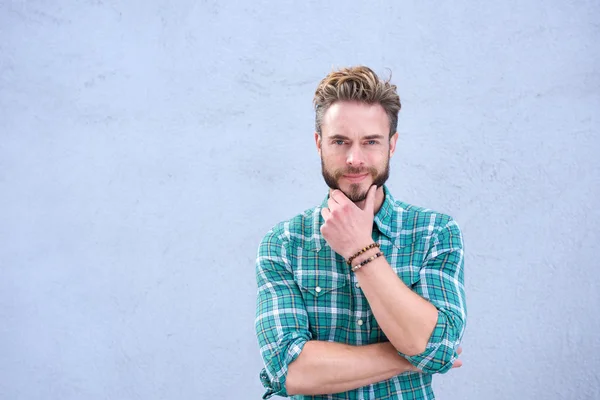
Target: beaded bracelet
{"points": [[368, 260], [369, 247]]}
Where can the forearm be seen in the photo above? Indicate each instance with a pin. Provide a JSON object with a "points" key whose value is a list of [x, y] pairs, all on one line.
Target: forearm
{"points": [[328, 367], [406, 318]]}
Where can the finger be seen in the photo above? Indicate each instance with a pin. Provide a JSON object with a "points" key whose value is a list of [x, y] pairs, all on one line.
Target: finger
{"points": [[325, 213], [370, 200], [339, 197], [332, 204], [457, 364], [459, 350]]}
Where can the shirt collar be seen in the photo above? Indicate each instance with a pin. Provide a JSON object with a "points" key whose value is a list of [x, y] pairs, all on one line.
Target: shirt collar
{"points": [[384, 219]]}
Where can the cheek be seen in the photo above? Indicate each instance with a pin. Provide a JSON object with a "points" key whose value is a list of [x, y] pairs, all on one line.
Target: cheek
{"points": [[332, 157], [376, 156], [380, 160]]}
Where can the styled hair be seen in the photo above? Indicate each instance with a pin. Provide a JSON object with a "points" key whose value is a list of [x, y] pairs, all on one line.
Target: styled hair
{"points": [[359, 84]]}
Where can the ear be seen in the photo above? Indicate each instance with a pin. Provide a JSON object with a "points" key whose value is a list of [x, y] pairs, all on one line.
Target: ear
{"points": [[318, 142], [393, 140]]}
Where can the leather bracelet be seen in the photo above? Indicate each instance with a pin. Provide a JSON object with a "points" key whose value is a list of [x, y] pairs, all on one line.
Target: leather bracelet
{"points": [[365, 262], [369, 247]]}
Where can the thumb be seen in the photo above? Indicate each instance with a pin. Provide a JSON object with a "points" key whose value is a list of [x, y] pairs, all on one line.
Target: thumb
{"points": [[370, 200]]}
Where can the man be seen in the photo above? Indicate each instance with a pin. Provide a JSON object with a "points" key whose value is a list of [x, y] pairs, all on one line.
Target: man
{"points": [[361, 297]]}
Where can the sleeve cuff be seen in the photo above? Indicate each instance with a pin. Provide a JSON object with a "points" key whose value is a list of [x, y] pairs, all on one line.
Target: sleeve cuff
{"points": [[273, 377], [439, 355]]}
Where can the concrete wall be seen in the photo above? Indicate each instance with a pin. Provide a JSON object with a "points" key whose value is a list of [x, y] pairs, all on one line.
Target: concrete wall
{"points": [[146, 147]]}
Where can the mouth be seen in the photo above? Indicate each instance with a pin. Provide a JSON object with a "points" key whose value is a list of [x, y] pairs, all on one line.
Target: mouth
{"points": [[355, 178]]}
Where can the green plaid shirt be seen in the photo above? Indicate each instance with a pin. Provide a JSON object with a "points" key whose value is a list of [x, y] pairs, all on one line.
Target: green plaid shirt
{"points": [[307, 292]]}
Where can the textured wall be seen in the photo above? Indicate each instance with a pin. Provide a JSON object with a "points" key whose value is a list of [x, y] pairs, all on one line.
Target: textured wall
{"points": [[146, 147]]}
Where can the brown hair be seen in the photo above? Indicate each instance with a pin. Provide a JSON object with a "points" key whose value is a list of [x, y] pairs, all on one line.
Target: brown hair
{"points": [[356, 84]]}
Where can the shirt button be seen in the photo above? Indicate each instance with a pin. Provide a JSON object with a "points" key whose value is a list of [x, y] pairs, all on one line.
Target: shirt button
{"points": [[360, 322], [357, 285], [318, 289]]}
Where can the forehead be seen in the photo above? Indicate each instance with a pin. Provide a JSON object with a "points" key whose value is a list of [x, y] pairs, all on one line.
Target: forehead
{"points": [[353, 118]]}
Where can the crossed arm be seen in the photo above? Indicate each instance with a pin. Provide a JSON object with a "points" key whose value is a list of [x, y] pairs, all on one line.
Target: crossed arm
{"points": [[296, 364], [329, 367], [424, 333]]}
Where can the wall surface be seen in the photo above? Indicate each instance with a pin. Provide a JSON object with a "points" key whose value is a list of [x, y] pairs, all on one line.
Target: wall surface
{"points": [[146, 147]]}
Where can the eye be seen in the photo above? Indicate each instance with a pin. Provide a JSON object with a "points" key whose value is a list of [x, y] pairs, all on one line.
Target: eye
{"points": [[372, 142], [338, 142]]}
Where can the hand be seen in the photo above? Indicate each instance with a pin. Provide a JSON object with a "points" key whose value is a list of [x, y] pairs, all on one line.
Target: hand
{"points": [[347, 228], [457, 363]]}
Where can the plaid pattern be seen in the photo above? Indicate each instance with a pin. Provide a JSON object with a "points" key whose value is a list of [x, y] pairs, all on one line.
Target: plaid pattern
{"points": [[307, 292]]}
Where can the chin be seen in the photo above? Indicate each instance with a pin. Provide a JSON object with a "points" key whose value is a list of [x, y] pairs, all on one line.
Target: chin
{"points": [[356, 192]]}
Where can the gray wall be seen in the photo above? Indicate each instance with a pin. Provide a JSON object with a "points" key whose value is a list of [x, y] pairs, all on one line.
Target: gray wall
{"points": [[147, 146]]}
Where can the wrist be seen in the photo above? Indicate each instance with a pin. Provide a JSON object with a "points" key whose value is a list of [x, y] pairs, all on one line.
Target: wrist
{"points": [[364, 256], [358, 250], [356, 266]]}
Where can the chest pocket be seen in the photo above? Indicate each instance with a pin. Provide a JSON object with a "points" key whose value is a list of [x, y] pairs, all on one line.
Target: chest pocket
{"points": [[320, 285], [405, 261], [327, 301]]}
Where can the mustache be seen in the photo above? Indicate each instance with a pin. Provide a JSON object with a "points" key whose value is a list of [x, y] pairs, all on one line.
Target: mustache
{"points": [[355, 171]]}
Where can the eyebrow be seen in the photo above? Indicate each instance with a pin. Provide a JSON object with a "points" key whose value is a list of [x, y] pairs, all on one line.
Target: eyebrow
{"points": [[367, 137]]}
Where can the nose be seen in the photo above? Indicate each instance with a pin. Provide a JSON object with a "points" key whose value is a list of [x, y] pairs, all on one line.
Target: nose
{"points": [[355, 156]]}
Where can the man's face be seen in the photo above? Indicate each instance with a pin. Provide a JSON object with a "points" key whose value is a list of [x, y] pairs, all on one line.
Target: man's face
{"points": [[355, 148]]}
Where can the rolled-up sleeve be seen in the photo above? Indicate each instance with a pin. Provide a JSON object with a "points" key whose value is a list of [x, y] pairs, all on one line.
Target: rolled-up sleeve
{"points": [[441, 282], [281, 321]]}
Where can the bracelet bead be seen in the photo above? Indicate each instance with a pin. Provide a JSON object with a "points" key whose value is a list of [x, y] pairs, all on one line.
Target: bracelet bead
{"points": [[365, 262], [361, 251]]}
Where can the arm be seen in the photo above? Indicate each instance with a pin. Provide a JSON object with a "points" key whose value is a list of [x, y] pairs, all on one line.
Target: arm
{"points": [[293, 362], [328, 367], [427, 326], [407, 327], [281, 320], [442, 284]]}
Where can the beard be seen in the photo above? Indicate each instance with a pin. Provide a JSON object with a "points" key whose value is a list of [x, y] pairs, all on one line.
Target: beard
{"points": [[355, 193]]}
